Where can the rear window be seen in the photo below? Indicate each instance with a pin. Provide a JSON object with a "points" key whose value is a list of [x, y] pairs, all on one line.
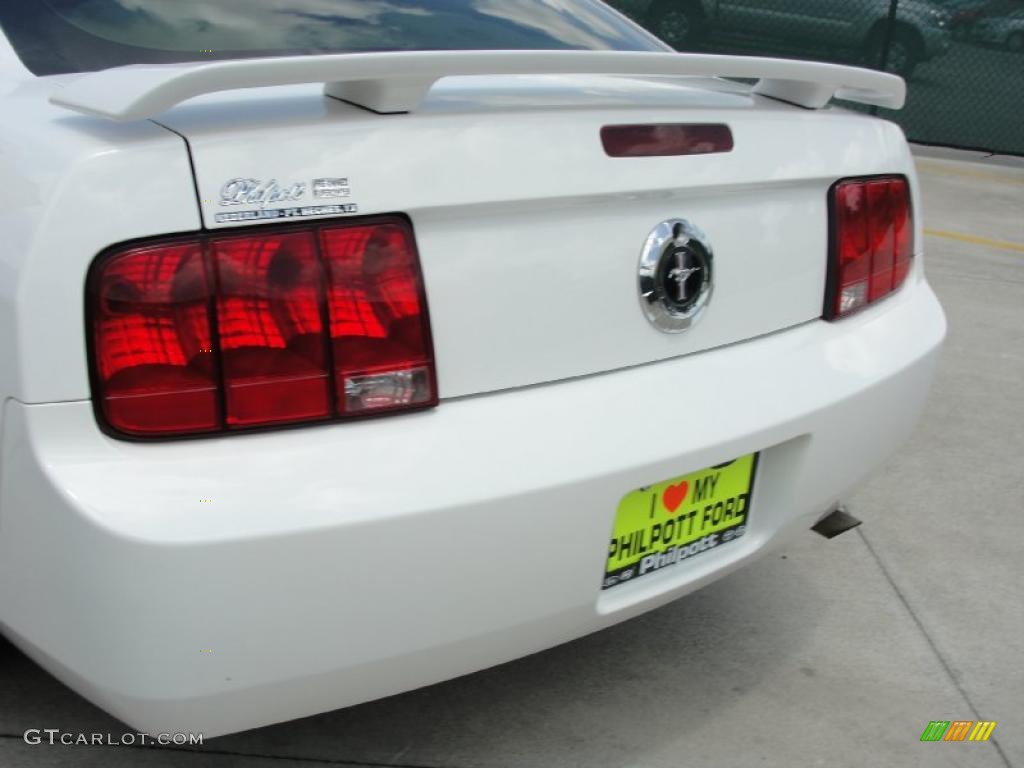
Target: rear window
{"points": [[61, 36]]}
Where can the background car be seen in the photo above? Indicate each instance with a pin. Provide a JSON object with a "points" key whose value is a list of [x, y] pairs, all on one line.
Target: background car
{"points": [[856, 28], [964, 14], [1004, 31]]}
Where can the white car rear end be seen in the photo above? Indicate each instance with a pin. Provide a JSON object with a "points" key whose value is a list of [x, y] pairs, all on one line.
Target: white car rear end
{"points": [[247, 575]]}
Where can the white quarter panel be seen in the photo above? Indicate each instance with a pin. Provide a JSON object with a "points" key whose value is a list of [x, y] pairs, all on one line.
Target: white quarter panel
{"points": [[71, 186]]}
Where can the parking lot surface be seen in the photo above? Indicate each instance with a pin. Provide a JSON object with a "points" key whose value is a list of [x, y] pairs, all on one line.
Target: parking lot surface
{"points": [[827, 652]]}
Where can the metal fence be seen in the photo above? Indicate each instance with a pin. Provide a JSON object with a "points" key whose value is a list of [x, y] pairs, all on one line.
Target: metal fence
{"points": [[963, 59]]}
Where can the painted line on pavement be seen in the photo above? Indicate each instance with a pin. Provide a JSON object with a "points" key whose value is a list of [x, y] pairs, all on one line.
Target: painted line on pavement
{"points": [[970, 173], [976, 240]]}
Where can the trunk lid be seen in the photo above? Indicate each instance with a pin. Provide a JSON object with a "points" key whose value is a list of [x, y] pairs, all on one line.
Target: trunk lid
{"points": [[529, 235]]}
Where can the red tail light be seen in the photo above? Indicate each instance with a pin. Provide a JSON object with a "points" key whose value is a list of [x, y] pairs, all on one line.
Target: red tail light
{"points": [[872, 242], [381, 345], [226, 332]]}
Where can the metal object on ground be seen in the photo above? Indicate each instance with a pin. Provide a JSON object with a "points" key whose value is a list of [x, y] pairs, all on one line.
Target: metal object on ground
{"points": [[836, 522]]}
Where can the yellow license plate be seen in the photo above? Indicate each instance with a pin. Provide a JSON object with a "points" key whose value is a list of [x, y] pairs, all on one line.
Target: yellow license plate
{"points": [[664, 524]]}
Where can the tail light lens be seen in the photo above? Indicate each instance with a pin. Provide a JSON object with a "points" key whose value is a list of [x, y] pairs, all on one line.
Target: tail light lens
{"points": [[273, 349], [153, 351], [380, 344], [871, 244], [226, 332]]}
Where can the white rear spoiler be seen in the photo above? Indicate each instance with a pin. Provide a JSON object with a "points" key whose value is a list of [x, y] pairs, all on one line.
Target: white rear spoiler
{"points": [[398, 82]]}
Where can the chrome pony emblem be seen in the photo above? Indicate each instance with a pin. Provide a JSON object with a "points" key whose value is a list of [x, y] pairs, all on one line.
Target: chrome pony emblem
{"points": [[681, 273], [676, 275]]}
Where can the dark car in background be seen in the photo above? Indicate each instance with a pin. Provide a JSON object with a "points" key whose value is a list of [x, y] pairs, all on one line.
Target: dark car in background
{"points": [[1002, 31], [986, 21], [963, 14], [852, 30]]}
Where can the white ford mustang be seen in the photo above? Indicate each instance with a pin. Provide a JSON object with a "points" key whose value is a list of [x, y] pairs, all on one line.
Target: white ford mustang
{"points": [[347, 348]]}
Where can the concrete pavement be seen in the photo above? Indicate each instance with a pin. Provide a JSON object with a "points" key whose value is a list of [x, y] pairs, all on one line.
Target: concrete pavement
{"points": [[832, 653]]}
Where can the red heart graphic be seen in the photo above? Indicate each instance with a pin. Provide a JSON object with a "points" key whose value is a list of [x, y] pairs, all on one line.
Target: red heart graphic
{"points": [[675, 495]]}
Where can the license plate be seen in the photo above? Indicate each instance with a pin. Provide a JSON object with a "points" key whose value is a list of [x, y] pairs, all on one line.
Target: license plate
{"points": [[664, 524]]}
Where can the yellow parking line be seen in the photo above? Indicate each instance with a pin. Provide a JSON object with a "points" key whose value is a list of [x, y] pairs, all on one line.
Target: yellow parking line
{"points": [[976, 240], [1005, 178]]}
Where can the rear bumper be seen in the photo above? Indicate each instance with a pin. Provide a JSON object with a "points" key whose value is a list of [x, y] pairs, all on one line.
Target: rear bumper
{"points": [[347, 562]]}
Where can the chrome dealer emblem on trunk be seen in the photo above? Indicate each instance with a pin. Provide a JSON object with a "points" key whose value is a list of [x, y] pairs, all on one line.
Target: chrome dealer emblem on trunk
{"points": [[259, 193], [331, 188], [676, 275], [268, 200]]}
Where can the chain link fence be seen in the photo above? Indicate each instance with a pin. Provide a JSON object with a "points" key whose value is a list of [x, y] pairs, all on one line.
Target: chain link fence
{"points": [[963, 59]]}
